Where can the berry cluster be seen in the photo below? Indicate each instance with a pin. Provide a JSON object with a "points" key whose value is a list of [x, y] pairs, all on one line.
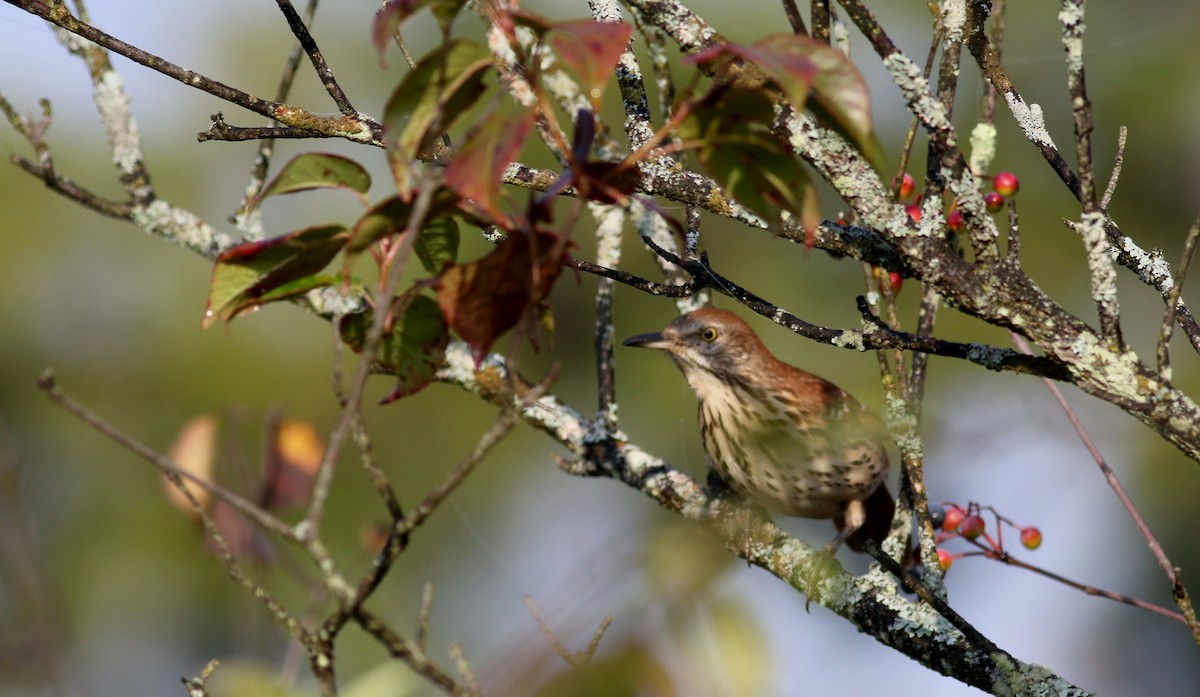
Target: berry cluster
{"points": [[968, 523], [1004, 184]]}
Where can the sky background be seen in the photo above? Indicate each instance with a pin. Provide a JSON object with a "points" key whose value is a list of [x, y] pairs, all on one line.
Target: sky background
{"points": [[120, 585]]}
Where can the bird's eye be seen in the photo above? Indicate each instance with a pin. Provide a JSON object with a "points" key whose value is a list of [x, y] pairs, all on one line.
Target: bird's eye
{"points": [[709, 334]]}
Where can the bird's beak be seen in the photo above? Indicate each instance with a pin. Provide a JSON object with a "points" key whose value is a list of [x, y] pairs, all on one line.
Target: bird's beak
{"points": [[654, 340]]}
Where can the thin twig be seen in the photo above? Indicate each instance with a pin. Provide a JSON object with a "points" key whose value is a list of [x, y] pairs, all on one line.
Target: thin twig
{"points": [[382, 305], [49, 384], [423, 615], [408, 652], [358, 127], [1168, 325], [494, 434], [1118, 163], [1177, 589], [574, 659], [1088, 589], [929, 597], [300, 30], [1071, 15]]}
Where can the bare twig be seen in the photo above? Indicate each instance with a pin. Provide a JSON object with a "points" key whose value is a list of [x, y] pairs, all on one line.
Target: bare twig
{"points": [[1071, 16], [423, 615], [358, 128], [198, 686], [47, 383], [1177, 589], [1118, 163], [300, 30], [574, 659], [1168, 325]]}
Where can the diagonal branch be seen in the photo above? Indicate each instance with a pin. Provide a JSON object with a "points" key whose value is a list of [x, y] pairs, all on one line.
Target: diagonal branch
{"points": [[358, 128]]}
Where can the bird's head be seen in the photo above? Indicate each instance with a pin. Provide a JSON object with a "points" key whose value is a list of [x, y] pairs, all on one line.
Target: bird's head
{"points": [[708, 341]]}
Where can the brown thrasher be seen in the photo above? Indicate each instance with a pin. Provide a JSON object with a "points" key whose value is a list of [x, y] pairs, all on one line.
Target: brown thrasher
{"points": [[793, 442]]}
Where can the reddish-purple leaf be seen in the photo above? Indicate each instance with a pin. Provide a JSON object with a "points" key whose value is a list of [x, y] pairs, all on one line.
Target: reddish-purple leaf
{"points": [[485, 298], [591, 49], [393, 14], [388, 20], [476, 170]]}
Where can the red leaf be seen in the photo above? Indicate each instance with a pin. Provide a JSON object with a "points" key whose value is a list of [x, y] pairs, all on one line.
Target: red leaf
{"points": [[476, 170], [485, 298], [591, 49]]}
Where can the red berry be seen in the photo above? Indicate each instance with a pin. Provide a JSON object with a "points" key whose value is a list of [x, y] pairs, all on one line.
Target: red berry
{"points": [[954, 518], [1006, 183], [972, 527], [897, 281], [993, 201], [1031, 537], [945, 559], [955, 221], [914, 212], [907, 185]]}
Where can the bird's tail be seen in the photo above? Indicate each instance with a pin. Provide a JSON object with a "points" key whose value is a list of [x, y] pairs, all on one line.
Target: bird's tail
{"points": [[879, 509]]}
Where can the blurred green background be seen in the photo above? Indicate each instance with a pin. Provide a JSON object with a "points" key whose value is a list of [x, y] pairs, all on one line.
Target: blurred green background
{"points": [[105, 589]]}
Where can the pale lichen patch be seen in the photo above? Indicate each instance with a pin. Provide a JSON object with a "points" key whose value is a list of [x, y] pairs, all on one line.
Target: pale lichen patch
{"points": [[1029, 117]]}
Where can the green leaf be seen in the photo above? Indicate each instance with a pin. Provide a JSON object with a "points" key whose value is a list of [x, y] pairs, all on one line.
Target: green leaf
{"points": [[592, 50], [753, 165], [437, 245], [390, 216], [316, 170], [384, 218], [413, 350], [444, 84], [256, 273]]}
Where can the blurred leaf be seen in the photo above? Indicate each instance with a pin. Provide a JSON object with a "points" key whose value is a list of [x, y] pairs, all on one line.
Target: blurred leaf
{"points": [[841, 100], [443, 85], [389, 18], [812, 75], [293, 453], [632, 672], [592, 50], [254, 273], [476, 170], [387, 679], [242, 678], [754, 166], [741, 650], [387, 217], [412, 351], [193, 452], [317, 170], [437, 245], [245, 541], [485, 298], [681, 562]]}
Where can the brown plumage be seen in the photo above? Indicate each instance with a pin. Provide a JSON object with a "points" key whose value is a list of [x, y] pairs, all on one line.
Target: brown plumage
{"points": [[789, 440]]}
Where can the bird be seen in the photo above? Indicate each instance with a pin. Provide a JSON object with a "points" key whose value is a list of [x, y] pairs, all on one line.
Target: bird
{"points": [[786, 439]]}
